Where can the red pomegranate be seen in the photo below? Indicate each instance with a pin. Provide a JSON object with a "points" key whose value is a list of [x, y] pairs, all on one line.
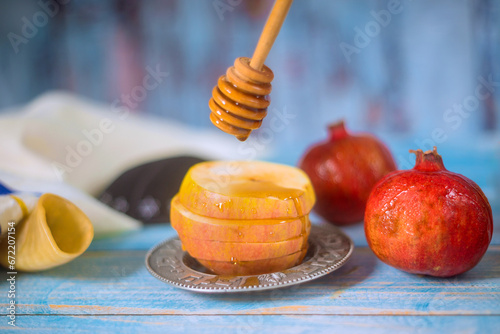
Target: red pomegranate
{"points": [[428, 220], [343, 169]]}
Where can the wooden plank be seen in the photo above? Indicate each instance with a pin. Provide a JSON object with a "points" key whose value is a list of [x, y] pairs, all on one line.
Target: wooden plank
{"points": [[116, 282], [143, 239], [255, 324]]}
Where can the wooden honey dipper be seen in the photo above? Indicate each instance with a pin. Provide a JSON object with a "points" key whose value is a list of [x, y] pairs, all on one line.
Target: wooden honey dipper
{"points": [[239, 101]]}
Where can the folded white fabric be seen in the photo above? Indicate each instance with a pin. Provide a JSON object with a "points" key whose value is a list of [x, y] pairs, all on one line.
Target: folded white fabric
{"points": [[106, 221], [14, 207], [62, 136], [74, 148]]}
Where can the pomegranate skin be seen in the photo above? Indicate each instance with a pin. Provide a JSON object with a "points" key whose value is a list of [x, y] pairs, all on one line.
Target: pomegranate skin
{"points": [[428, 220], [343, 169]]}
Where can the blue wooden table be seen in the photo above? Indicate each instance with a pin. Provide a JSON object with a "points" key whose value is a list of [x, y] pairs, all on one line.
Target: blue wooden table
{"points": [[108, 289]]}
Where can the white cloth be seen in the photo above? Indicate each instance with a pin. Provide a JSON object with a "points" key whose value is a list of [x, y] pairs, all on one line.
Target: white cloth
{"points": [[11, 211], [74, 148], [49, 140], [106, 221]]}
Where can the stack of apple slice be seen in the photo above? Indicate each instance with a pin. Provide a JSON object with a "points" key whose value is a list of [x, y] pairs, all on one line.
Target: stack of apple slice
{"points": [[244, 217]]}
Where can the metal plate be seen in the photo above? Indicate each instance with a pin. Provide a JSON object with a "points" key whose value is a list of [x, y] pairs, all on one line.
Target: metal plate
{"points": [[329, 249]]}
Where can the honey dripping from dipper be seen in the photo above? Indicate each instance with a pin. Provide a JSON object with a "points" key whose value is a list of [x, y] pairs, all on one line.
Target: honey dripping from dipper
{"points": [[240, 99]]}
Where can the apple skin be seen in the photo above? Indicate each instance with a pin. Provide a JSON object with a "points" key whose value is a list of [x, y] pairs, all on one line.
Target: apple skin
{"points": [[235, 230], [285, 192], [241, 251], [257, 267], [244, 217], [428, 220]]}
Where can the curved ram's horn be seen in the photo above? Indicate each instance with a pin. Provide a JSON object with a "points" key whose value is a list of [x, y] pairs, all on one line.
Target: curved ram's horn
{"points": [[55, 233]]}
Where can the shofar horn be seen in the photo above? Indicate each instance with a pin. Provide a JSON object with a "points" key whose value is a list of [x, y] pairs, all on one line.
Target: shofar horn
{"points": [[56, 232]]}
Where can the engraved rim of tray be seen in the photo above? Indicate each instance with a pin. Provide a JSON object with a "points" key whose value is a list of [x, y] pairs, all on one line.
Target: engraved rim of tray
{"points": [[329, 249]]}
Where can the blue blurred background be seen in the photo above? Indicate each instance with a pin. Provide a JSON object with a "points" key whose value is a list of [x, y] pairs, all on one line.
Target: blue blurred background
{"points": [[415, 73]]}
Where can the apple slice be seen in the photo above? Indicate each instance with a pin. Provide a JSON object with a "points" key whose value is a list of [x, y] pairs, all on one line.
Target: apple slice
{"points": [[241, 251], [195, 226], [246, 190], [257, 267]]}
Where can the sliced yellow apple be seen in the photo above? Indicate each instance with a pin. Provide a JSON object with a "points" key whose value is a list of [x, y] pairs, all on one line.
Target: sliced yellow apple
{"points": [[195, 226], [241, 251], [257, 267], [246, 190]]}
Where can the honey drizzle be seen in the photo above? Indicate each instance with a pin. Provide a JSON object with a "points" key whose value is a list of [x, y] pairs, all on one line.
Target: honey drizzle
{"points": [[300, 214]]}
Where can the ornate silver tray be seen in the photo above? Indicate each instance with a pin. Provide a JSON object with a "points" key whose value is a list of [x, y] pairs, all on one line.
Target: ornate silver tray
{"points": [[329, 249]]}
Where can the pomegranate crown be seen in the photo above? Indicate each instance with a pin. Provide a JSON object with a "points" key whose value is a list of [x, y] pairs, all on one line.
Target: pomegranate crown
{"points": [[337, 130], [428, 161]]}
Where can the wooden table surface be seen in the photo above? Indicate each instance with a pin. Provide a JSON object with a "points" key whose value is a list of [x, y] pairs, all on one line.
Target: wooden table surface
{"points": [[108, 289]]}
